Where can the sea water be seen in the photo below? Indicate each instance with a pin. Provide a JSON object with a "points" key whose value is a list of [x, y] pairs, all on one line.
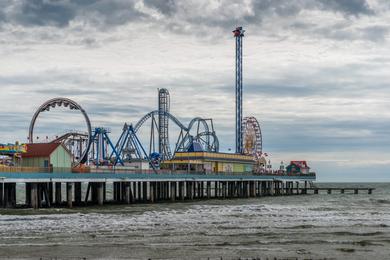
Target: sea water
{"points": [[336, 226]]}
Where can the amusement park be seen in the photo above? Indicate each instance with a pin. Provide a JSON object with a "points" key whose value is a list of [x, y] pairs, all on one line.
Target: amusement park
{"points": [[164, 164], [195, 149]]}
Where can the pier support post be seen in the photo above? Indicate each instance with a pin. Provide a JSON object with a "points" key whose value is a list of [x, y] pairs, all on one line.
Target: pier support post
{"points": [[272, 188], [231, 189], [157, 191], [191, 190], [253, 189], [151, 191], [34, 195], [305, 189], [208, 190], [28, 194], [247, 189], [100, 195], [144, 191], [69, 187], [2, 201], [45, 188], [181, 190], [50, 192], [139, 189], [58, 195], [127, 192], [118, 193], [202, 189], [173, 191], [77, 193], [9, 195], [94, 192], [224, 190]]}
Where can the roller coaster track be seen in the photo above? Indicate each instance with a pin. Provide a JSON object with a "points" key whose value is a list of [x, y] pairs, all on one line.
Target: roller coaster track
{"points": [[174, 119], [184, 137], [69, 134]]}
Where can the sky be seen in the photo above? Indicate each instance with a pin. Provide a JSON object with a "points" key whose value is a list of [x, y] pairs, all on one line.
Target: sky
{"points": [[316, 72]]}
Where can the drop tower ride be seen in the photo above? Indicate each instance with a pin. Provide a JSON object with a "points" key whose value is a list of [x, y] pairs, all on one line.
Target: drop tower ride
{"points": [[239, 34]]}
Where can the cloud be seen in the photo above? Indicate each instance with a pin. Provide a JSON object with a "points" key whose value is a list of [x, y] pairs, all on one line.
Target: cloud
{"points": [[42, 13], [224, 14], [348, 7], [63, 13], [167, 7]]}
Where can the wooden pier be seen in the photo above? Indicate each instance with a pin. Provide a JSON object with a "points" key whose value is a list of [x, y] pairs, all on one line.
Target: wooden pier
{"points": [[316, 190], [82, 189]]}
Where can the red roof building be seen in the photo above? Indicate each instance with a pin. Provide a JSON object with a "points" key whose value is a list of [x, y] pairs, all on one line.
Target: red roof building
{"points": [[46, 155]]}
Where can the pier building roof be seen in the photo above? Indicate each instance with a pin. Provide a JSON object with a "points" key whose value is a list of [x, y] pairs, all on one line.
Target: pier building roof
{"points": [[40, 149]]}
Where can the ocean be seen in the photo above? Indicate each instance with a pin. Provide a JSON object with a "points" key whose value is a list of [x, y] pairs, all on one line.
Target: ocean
{"points": [[336, 226]]}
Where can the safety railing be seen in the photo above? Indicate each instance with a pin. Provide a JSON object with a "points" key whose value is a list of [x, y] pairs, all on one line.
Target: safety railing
{"points": [[118, 170]]}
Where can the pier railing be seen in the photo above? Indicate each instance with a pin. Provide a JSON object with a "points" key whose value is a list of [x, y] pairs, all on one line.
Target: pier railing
{"points": [[135, 171], [33, 169]]}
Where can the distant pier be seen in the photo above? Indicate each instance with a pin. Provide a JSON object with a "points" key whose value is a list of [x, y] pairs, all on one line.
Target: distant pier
{"points": [[316, 190]]}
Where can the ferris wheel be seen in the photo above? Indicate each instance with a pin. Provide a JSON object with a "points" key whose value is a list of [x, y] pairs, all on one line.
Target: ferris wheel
{"points": [[252, 138], [77, 143]]}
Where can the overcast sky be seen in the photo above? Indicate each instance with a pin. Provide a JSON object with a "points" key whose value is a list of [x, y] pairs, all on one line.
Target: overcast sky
{"points": [[316, 72]]}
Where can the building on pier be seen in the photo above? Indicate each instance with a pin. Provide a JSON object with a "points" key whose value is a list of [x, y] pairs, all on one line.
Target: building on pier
{"points": [[207, 162], [298, 167], [47, 155]]}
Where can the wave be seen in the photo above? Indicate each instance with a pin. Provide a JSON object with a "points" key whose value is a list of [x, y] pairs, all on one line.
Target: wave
{"points": [[380, 201], [348, 233]]}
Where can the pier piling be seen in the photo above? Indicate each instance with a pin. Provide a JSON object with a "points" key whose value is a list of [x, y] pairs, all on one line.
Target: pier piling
{"points": [[69, 199]]}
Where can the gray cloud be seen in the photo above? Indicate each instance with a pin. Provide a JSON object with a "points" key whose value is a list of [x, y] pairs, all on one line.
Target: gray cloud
{"points": [[85, 18], [40, 12], [118, 12], [349, 7], [61, 13], [167, 7]]}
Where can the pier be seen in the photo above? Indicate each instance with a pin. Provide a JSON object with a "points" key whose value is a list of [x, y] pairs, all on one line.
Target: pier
{"points": [[317, 190], [82, 189]]}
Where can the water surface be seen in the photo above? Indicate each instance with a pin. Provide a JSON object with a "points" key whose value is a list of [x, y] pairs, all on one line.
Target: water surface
{"points": [[339, 226]]}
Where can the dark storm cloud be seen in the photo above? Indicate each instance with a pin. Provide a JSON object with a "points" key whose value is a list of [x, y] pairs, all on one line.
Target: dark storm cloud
{"points": [[40, 12], [117, 12], [61, 13]]}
